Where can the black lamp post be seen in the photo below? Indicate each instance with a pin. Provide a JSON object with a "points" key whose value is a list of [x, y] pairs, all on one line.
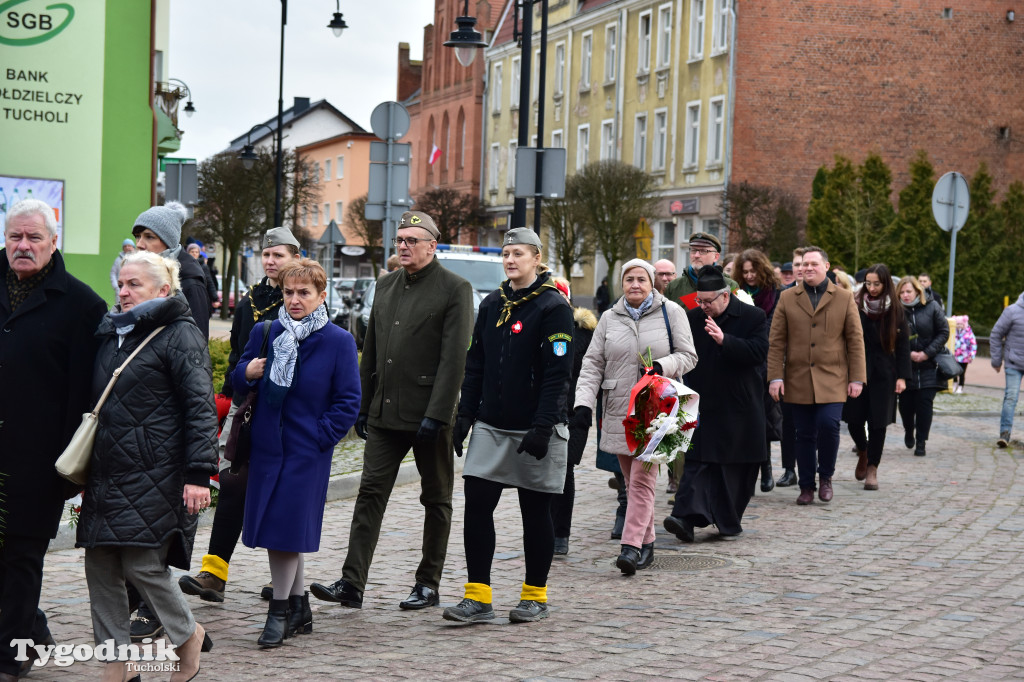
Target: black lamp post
{"points": [[461, 41], [189, 108], [248, 153]]}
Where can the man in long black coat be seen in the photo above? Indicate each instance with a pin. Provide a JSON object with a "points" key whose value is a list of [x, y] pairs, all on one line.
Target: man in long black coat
{"points": [[728, 447], [47, 348]]}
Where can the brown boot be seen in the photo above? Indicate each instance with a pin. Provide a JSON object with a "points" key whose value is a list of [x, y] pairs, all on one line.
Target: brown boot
{"points": [[862, 465], [188, 653], [871, 482]]}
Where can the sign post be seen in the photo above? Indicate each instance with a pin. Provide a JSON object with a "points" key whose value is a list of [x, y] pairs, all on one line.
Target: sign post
{"points": [[951, 202], [388, 194]]}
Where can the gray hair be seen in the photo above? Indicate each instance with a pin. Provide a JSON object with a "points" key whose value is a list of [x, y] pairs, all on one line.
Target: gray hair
{"points": [[160, 270], [28, 207]]}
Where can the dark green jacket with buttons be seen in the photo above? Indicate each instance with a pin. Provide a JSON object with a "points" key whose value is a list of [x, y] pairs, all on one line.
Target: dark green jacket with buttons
{"points": [[414, 354]]}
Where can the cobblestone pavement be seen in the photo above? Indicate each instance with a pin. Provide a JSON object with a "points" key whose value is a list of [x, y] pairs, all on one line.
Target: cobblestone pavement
{"points": [[920, 580]]}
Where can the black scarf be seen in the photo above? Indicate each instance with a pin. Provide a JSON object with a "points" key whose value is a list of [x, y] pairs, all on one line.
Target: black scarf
{"points": [[18, 290]]}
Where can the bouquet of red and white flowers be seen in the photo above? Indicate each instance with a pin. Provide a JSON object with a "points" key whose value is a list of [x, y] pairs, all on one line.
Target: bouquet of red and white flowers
{"points": [[661, 417]]}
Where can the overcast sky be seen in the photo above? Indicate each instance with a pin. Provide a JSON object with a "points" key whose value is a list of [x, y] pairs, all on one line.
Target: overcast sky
{"points": [[227, 52]]}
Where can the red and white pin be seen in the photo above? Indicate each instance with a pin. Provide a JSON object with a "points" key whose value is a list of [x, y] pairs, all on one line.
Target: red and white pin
{"points": [[517, 327]]}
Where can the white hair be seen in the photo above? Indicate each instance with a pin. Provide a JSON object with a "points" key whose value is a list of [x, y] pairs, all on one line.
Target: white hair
{"points": [[160, 270], [28, 207]]}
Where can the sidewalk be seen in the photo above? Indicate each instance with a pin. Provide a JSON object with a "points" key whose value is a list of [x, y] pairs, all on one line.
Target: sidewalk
{"points": [[921, 580]]}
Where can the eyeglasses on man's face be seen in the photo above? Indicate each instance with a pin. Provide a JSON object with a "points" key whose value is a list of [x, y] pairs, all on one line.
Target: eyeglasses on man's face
{"points": [[705, 303], [410, 241], [702, 252]]}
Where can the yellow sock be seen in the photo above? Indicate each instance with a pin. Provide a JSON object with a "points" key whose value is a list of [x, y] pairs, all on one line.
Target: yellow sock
{"points": [[532, 593], [478, 592], [214, 565]]}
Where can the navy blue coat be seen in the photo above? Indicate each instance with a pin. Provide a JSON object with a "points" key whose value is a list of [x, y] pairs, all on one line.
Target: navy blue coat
{"points": [[293, 439]]}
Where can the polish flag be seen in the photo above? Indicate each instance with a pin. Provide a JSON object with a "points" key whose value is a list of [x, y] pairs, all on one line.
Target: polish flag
{"points": [[435, 154]]}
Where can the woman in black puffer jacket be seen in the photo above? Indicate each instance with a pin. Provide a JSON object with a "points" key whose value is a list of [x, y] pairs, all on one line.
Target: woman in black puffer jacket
{"points": [[154, 453], [928, 334]]}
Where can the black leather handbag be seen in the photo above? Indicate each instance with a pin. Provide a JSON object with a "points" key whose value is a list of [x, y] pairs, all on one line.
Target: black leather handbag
{"points": [[946, 366], [238, 448]]}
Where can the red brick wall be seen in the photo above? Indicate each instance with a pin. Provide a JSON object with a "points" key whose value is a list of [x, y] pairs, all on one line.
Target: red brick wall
{"points": [[410, 73], [815, 78]]}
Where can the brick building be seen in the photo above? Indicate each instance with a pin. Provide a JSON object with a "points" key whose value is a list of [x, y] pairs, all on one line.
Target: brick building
{"points": [[814, 79]]}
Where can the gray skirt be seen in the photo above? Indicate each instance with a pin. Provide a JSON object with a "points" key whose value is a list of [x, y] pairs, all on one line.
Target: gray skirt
{"points": [[492, 456]]}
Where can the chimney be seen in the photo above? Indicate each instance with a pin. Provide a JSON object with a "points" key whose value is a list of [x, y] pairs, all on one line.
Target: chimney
{"points": [[409, 73], [300, 104]]}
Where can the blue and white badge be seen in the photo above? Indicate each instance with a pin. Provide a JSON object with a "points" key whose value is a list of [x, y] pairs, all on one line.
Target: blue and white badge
{"points": [[560, 348]]}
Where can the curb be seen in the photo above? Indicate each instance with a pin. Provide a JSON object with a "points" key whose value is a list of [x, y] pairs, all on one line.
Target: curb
{"points": [[342, 487]]}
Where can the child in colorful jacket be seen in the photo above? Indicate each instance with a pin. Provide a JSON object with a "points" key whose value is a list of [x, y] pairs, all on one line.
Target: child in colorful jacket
{"points": [[965, 347]]}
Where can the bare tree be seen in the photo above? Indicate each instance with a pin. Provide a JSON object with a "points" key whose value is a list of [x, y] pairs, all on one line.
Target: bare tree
{"points": [[370, 231], [452, 211], [571, 239]]}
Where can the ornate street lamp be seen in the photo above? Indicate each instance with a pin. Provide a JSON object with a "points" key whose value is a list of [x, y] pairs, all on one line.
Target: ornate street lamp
{"points": [[248, 154], [465, 39], [337, 24]]}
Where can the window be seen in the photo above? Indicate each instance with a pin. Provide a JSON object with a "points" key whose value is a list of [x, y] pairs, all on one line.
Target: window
{"points": [[338, 213], [720, 27], [559, 69], [340, 167], [305, 216], [611, 66], [462, 137], [691, 145], [640, 142], [511, 180], [696, 29], [713, 227], [665, 247], [664, 36], [586, 52], [660, 140], [643, 55], [316, 173], [327, 213], [316, 214], [496, 89], [716, 131], [556, 139], [514, 78], [607, 139], [327, 170], [492, 179], [582, 146]]}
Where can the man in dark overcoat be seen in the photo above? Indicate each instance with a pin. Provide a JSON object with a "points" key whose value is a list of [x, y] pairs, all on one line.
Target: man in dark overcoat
{"points": [[728, 446], [414, 359], [47, 348]]}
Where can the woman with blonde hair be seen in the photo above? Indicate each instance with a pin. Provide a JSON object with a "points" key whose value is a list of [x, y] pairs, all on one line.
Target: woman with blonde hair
{"points": [[928, 334], [153, 456]]}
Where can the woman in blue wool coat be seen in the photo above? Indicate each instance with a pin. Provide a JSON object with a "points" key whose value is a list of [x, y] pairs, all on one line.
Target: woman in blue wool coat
{"points": [[308, 400]]}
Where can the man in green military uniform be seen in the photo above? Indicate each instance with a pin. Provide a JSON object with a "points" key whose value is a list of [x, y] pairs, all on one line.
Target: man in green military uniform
{"points": [[414, 358], [705, 249]]}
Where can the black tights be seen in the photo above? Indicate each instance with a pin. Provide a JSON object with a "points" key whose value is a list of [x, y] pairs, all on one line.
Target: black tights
{"points": [[873, 442], [227, 518], [538, 535], [916, 410], [561, 505]]}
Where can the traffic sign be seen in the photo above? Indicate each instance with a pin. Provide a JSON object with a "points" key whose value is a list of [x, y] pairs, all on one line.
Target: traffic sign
{"points": [[389, 120], [643, 230], [951, 201], [400, 152]]}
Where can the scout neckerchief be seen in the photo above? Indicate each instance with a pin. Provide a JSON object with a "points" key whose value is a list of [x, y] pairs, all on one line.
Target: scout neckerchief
{"points": [[507, 306]]}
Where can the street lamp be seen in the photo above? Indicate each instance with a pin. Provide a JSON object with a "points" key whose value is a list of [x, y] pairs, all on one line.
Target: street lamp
{"points": [[465, 39], [337, 23], [524, 13], [248, 153], [189, 107]]}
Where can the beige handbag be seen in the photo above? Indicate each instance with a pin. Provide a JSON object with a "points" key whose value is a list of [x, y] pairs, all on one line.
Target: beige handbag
{"points": [[73, 464]]}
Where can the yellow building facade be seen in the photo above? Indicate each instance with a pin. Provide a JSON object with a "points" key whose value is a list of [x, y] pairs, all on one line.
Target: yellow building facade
{"points": [[639, 81]]}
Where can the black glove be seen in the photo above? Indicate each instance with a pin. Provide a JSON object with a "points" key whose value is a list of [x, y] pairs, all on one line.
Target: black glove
{"points": [[430, 429], [577, 441], [582, 418], [463, 423], [361, 425], [655, 369], [535, 442]]}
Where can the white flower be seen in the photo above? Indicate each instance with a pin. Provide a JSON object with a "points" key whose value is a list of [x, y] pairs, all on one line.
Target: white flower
{"points": [[743, 296], [658, 457]]}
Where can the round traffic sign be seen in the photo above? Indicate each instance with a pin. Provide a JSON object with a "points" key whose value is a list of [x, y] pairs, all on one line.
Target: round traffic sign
{"points": [[389, 120], [951, 201]]}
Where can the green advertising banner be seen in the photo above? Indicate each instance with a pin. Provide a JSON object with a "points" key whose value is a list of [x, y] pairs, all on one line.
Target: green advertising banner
{"points": [[76, 121]]}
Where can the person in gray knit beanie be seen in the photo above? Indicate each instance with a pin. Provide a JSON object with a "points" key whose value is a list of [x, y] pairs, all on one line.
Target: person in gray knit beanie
{"points": [[163, 224]]}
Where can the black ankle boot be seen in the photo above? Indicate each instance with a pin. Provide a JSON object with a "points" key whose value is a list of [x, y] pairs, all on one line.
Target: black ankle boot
{"points": [[767, 481], [628, 560], [276, 628], [300, 616]]}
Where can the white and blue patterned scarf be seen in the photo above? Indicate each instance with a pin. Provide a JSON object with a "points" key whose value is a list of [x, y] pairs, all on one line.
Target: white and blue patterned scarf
{"points": [[645, 305], [286, 345]]}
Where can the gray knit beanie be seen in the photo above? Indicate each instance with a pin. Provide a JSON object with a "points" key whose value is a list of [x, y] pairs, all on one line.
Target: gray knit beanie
{"points": [[164, 221]]}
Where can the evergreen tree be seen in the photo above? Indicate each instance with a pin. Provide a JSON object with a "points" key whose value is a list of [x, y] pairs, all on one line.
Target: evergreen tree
{"points": [[920, 245], [975, 277]]}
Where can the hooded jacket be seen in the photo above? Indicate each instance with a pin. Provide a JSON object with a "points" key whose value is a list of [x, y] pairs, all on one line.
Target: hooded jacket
{"points": [[929, 331], [1006, 342], [157, 432]]}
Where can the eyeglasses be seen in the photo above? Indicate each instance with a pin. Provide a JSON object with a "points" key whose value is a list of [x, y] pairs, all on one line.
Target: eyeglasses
{"points": [[702, 252], [410, 241], [703, 304]]}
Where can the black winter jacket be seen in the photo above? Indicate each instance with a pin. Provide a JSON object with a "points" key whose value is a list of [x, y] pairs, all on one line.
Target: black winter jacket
{"points": [[157, 431], [929, 332], [517, 375], [47, 348], [260, 304], [193, 286]]}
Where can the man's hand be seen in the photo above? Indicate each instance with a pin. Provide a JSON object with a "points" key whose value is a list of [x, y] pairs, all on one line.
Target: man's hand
{"points": [[997, 367], [854, 388], [361, 425], [254, 370], [776, 390], [196, 498], [714, 331], [430, 429], [901, 386]]}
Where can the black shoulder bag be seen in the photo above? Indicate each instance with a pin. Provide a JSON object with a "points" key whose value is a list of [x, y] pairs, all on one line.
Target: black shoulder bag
{"points": [[239, 446]]}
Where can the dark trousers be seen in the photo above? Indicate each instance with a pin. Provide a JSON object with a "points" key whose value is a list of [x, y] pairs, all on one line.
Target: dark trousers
{"points": [[227, 519], [622, 496], [963, 374], [817, 441], [873, 442], [916, 411], [383, 454], [561, 505], [538, 535], [788, 437], [21, 580]]}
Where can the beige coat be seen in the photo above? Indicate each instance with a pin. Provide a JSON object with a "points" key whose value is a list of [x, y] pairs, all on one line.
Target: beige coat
{"points": [[612, 363], [816, 351]]}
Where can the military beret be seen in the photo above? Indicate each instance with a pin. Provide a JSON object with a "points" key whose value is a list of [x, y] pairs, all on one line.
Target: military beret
{"points": [[419, 219], [522, 235]]}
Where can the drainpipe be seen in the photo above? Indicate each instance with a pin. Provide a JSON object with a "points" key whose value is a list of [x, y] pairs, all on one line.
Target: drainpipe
{"points": [[729, 121]]}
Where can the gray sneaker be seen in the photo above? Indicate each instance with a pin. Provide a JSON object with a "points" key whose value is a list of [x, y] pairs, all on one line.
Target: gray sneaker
{"points": [[469, 611], [528, 611]]}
